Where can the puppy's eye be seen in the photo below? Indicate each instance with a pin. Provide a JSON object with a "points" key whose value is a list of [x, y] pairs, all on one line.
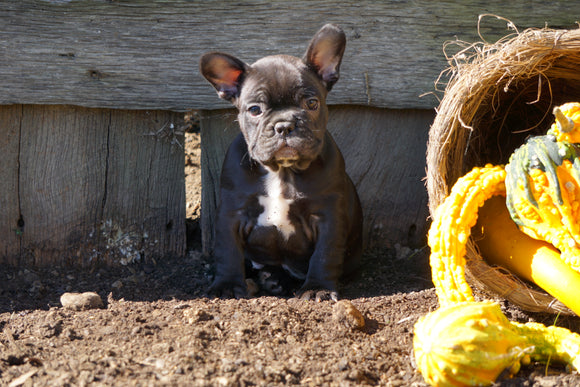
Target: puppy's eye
{"points": [[312, 104], [255, 110]]}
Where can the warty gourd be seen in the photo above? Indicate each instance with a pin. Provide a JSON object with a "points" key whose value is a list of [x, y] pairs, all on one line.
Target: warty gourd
{"points": [[465, 342], [543, 185], [472, 343]]}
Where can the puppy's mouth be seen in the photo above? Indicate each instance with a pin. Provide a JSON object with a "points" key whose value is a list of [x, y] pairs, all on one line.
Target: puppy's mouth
{"points": [[286, 156]]}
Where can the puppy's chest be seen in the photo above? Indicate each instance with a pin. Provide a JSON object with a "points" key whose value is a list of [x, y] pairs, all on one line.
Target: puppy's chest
{"points": [[276, 202]]}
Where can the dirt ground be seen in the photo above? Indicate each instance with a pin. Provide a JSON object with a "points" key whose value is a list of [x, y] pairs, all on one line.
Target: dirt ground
{"points": [[158, 328]]}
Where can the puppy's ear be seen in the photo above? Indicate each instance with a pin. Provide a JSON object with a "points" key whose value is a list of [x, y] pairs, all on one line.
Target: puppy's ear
{"points": [[224, 72], [325, 52]]}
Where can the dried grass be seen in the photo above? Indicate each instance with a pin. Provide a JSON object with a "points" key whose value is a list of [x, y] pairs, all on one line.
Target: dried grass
{"points": [[497, 95]]}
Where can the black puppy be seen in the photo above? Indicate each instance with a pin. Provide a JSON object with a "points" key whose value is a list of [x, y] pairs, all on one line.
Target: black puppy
{"points": [[285, 198]]}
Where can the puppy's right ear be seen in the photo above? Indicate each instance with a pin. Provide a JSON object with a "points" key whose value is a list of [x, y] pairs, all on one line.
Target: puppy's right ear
{"points": [[224, 72]]}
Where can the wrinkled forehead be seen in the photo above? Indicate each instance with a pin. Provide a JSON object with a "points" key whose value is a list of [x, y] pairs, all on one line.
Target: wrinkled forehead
{"points": [[278, 79]]}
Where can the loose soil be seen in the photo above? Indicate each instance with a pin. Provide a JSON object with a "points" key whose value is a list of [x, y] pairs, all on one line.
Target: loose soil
{"points": [[159, 328]]}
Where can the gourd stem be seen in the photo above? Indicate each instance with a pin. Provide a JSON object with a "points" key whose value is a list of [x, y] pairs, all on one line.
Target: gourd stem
{"points": [[565, 124]]}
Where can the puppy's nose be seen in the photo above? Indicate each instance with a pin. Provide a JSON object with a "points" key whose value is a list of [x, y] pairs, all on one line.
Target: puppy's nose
{"points": [[284, 127]]}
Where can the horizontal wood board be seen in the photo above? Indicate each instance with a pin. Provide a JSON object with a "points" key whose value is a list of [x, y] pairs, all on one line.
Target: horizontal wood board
{"points": [[144, 54]]}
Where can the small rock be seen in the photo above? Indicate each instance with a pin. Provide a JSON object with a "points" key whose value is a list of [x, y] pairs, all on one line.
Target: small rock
{"points": [[196, 315], [49, 330], [37, 289], [228, 365], [81, 301], [70, 334], [358, 376], [161, 348], [118, 284], [346, 314], [343, 365]]}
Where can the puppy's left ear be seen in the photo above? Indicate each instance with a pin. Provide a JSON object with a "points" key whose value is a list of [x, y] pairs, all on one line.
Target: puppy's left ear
{"points": [[224, 72], [324, 53]]}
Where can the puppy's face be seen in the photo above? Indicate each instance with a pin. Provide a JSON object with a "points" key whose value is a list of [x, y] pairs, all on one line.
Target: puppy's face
{"points": [[281, 99], [283, 112]]}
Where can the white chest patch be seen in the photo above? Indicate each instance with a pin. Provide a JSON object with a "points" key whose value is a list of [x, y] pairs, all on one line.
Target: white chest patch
{"points": [[276, 206]]}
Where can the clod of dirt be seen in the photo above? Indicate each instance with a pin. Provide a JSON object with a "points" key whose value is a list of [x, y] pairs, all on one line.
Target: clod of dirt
{"points": [[196, 315], [345, 313], [81, 301]]}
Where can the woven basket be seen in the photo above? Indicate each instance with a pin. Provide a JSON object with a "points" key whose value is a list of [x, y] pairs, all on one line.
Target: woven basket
{"points": [[498, 95]]}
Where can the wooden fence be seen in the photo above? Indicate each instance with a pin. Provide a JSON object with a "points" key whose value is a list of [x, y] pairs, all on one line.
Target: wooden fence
{"points": [[92, 95]]}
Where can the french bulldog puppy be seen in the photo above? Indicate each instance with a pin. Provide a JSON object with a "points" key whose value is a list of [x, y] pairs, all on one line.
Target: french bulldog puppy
{"points": [[285, 198]]}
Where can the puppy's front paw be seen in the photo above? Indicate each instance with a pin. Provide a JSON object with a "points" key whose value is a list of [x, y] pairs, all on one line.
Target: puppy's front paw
{"points": [[228, 289], [318, 295]]}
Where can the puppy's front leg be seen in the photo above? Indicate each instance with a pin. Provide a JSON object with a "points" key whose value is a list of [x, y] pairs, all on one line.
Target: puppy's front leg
{"points": [[326, 263]]}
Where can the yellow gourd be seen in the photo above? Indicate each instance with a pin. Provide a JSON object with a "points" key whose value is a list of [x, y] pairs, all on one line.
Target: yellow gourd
{"points": [[543, 185], [466, 343], [451, 229], [503, 244], [472, 343]]}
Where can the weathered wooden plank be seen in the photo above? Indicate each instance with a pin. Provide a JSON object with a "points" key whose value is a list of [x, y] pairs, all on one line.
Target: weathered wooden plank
{"points": [[62, 174], [218, 129], [384, 151], [143, 54], [144, 209], [10, 230], [90, 185]]}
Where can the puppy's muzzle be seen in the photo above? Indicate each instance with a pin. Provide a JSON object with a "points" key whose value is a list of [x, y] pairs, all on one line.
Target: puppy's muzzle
{"points": [[286, 156], [284, 127]]}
